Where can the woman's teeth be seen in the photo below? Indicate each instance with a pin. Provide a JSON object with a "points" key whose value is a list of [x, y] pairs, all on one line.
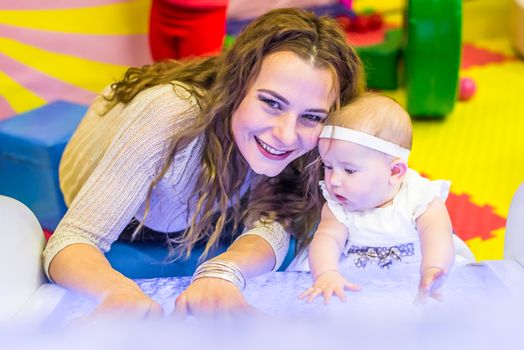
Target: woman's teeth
{"points": [[270, 149]]}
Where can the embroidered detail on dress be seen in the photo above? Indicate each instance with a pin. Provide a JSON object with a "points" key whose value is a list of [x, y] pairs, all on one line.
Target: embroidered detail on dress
{"points": [[384, 257]]}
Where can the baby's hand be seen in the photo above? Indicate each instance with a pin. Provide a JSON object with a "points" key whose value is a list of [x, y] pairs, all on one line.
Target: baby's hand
{"points": [[430, 285], [327, 283]]}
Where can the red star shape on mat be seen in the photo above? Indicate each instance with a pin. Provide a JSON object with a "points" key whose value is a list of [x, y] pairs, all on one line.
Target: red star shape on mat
{"points": [[470, 220], [476, 56]]}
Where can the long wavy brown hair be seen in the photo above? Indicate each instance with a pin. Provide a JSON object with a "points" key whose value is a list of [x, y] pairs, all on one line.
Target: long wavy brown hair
{"points": [[219, 84]]}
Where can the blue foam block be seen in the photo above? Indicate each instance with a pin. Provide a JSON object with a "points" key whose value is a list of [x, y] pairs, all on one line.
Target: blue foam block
{"points": [[31, 145]]}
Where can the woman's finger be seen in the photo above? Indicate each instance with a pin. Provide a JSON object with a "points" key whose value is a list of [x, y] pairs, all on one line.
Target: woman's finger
{"points": [[181, 307], [155, 312], [247, 311]]}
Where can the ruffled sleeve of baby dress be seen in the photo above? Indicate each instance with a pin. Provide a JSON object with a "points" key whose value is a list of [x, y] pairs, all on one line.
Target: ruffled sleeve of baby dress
{"points": [[420, 192]]}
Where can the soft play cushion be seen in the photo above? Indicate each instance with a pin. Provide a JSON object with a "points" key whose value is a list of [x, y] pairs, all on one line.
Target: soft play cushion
{"points": [[31, 145]]}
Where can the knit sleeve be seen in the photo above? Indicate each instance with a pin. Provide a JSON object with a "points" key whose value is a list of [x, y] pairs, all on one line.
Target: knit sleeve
{"points": [[275, 235], [118, 185]]}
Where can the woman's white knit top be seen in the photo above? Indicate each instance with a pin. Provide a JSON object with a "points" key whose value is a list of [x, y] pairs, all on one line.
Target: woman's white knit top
{"points": [[110, 161]]}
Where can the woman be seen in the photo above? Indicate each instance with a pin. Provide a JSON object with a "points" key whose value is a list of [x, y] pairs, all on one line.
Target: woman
{"points": [[176, 145]]}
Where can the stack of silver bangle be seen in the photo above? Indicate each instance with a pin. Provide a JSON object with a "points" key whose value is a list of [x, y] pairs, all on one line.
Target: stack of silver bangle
{"points": [[222, 269]]}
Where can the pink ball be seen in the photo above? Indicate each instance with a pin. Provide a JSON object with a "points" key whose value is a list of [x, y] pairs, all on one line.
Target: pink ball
{"points": [[467, 89]]}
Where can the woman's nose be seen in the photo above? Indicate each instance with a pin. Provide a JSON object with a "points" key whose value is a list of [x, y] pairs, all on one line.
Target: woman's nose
{"points": [[285, 129]]}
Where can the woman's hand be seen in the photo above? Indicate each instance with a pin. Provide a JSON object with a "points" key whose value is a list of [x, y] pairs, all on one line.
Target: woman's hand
{"points": [[124, 302], [210, 297], [327, 283], [130, 301]]}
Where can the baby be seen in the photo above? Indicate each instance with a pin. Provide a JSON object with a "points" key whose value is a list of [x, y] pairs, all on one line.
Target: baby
{"points": [[377, 210]]}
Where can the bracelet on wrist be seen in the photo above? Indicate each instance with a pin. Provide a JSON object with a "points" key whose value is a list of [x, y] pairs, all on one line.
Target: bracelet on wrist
{"points": [[221, 269]]}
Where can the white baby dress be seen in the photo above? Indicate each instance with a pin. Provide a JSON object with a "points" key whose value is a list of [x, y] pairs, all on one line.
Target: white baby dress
{"points": [[387, 236]]}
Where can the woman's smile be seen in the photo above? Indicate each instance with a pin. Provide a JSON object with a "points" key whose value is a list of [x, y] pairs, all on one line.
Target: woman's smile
{"points": [[270, 152]]}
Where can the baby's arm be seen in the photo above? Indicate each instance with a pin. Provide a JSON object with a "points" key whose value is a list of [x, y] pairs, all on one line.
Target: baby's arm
{"points": [[436, 244], [327, 244], [324, 254]]}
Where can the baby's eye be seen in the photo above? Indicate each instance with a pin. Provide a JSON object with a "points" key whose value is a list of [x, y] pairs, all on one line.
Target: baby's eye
{"points": [[270, 102], [350, 171]]}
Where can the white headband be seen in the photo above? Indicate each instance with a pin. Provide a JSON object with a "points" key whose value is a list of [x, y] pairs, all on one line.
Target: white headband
{"points": [[366, 140]]}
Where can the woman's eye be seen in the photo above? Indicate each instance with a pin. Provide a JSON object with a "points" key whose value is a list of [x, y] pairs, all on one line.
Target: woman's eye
{"points": [[327, 167], [270, 102], [312, 118], [350, 171]]}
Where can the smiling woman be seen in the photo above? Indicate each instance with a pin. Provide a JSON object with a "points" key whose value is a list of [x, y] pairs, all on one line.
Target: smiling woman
{"points": [[281, 116], [175, 146]]}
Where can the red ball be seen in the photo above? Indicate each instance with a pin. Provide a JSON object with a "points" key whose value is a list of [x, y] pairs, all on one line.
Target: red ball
{"points": [[467, 88]]}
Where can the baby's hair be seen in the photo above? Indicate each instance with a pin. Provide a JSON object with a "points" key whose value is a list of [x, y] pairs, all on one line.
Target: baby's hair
{"points": [[377, 115]]}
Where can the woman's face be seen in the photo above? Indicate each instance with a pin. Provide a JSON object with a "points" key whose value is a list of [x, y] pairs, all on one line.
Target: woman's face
{"points": [[282, 114]]}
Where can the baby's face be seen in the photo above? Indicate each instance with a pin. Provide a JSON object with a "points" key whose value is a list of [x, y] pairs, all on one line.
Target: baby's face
{"points": [[357, 176]]}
